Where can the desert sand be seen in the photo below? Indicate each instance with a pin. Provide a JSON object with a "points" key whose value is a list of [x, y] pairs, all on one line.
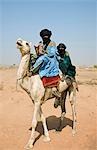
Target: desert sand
{"points": [[16, 110]]}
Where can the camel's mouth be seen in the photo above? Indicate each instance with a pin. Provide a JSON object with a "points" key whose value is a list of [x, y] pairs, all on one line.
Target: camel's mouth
{"points": [[18, 43]]}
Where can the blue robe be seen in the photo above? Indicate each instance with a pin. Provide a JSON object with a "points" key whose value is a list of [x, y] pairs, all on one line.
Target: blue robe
{"points": [[47, 64]]}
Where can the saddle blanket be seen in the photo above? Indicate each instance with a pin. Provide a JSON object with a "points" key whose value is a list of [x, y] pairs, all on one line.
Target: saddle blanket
{"points": [[51, 81]]}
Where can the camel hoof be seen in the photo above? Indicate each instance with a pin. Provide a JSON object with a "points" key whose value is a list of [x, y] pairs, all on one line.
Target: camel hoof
{"points": [[73, 132], [46, 139], [28, 147]]}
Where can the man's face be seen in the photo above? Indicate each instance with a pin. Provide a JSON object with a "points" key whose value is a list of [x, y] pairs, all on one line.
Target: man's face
{"points": [[61, 51], [45, 39]]}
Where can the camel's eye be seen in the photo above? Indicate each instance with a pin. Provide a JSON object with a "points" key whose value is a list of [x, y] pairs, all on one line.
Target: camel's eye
{"points": [[27, 43]]}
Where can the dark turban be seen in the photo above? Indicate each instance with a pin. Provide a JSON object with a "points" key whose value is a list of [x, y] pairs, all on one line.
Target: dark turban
{"points": [[61, 45], [45, 32]]}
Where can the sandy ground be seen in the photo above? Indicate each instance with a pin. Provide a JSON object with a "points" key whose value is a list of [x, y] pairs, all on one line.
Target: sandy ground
{"points": [[16, 110]]}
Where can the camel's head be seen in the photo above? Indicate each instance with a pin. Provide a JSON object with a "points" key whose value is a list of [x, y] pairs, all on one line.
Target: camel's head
{"points": [[24, 46]]}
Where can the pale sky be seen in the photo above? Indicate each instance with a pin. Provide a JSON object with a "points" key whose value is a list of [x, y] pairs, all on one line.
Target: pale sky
{"points": [[72, 22]]}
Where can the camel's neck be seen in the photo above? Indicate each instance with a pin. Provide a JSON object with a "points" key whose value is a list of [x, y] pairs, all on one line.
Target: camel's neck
{"points": [[23, 67]]}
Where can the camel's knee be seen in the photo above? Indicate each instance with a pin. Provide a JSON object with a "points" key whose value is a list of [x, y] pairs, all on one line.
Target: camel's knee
{"points": [[72, 98], [72, 102], [34, 123]]}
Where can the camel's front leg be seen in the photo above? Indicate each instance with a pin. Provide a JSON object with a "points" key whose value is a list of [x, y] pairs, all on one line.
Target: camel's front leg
{"points": [[34, 123], [73, 103], [46, 133]]}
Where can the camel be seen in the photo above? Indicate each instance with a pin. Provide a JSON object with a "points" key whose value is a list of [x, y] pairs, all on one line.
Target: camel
{"points": [[38, 94]]}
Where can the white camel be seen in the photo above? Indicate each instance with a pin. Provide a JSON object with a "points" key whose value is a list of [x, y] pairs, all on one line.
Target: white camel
{"points": [[35, 89]]}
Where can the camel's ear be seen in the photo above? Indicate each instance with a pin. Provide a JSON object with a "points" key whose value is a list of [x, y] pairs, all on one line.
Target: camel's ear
{"points": [[30, 44]]}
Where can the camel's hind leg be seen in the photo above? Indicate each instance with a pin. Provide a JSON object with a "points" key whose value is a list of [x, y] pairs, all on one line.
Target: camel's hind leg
{"points": [[63, 109], [34, 124], [72, 98]]}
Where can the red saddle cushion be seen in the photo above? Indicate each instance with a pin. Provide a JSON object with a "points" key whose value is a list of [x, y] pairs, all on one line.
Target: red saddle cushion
{"points": [[50, 81]]}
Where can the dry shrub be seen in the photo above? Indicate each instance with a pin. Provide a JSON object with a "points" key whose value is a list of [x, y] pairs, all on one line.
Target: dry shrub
{"points": [[95, 66]]}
